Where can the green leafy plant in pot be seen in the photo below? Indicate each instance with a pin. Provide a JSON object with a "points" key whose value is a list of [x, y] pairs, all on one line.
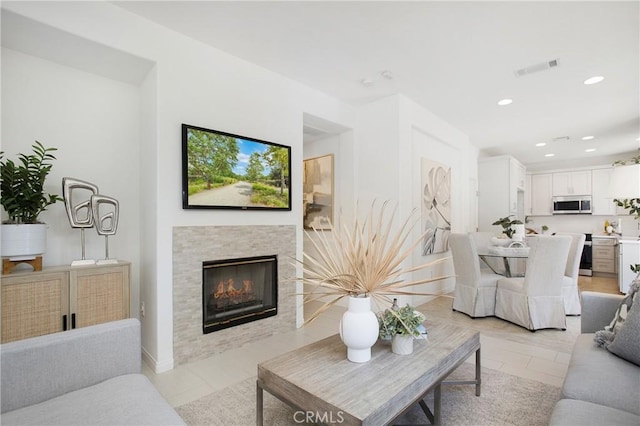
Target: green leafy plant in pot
{"points": [[402, 325], [507, 225], [24, 198]]}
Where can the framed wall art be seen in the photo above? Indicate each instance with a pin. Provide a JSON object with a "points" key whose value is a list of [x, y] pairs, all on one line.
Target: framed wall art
{"points": [[317, 190], [436, 206], [226, 171]]}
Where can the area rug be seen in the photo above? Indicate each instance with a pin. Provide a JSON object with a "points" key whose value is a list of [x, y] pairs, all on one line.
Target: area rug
{"points": [[505, 400]]}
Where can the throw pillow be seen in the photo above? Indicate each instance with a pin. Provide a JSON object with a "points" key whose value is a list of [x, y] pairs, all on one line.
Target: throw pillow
{"points": [[626, 343], [605, 337]]}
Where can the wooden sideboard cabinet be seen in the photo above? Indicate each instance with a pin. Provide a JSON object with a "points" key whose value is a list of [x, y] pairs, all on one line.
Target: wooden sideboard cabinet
{"points": [[60, 298]]}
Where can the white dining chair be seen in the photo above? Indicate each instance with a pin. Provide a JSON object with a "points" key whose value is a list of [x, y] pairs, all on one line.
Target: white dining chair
{"points": [[535, 301], [570, 290], [482, 240], [475, 291]]}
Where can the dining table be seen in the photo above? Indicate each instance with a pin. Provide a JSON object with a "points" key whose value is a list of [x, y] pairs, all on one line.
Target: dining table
{"points": [[507, 255]]}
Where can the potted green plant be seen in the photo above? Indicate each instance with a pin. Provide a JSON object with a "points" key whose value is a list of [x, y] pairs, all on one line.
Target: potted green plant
{"points": [[402, 325], [507, 225], [24, 198]]}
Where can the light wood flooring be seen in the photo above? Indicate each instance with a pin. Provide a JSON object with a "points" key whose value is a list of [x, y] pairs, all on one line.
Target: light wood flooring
{"points": [[599, 284]]}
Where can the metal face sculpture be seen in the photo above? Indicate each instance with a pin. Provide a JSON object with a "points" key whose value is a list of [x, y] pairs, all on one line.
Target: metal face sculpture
{"points": [[79, 212], [105, 212]]}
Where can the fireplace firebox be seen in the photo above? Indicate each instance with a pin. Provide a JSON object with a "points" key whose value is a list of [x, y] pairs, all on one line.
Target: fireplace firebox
{"points": [[237, 291]]}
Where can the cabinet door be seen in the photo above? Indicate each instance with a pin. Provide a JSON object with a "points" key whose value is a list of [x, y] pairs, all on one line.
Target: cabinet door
{"points": [[581, 182], [572, 183], [527, 196], [601, 193], [562, 183], [541, 198], [99, 294], [34, 304]]}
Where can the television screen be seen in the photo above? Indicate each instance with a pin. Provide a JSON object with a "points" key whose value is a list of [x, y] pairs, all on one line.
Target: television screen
{"points": [[225, 171]]}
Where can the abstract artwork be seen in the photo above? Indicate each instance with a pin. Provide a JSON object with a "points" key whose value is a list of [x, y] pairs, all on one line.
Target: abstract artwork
{"points": [[317, 188], [436, 206]]}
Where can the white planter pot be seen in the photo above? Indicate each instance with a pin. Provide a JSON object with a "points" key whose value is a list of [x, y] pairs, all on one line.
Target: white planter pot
{"points": [[359, 329], [24, 241], [402, 345]]}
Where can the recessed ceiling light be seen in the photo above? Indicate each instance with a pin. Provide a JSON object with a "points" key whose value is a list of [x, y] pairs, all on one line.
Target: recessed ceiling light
{"points": [[366, 82], [541, 144], [387, 74], [589, 150], [594, 80], [587, 138], [549, 155], [504, 102]]}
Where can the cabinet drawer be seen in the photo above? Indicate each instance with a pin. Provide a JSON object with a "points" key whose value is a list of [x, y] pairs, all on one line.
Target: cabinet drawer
{"points": [[600, 265], [603, 242], [603, 252]]}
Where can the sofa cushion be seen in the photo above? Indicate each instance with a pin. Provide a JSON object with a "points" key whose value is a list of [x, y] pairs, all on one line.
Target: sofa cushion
{"points": [[606, 336], [626, 344], [597, 376], [568, 412], [44, 367], [124, 400]]}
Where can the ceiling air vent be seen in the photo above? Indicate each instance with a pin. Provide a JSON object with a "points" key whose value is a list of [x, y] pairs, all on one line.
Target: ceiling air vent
{"points": [[543, 66]]}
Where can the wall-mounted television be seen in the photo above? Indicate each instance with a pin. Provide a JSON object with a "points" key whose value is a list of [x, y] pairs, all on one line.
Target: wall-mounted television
{"points": [[225, 171]]}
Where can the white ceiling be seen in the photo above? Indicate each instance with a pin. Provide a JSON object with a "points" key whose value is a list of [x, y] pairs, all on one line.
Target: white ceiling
{"points": [[455, 58]]}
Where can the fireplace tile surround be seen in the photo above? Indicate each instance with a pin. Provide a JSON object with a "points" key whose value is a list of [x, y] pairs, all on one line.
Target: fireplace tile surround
{"points": [[194, 244]]}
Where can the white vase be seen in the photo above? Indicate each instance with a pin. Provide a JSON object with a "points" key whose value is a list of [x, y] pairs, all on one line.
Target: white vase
{"points": [[359, 329], [23, 241], [401, 344]]}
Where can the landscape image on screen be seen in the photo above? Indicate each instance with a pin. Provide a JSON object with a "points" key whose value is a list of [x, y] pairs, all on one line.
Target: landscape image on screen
{"points": [[222, 170]]}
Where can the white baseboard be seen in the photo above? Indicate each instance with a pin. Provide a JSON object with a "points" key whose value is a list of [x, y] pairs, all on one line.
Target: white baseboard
{"points": [[157, 367]]}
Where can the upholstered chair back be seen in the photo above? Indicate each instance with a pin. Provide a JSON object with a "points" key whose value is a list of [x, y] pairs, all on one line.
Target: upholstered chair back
{"points": [[575, 254], [465, 258], [546, 265]]}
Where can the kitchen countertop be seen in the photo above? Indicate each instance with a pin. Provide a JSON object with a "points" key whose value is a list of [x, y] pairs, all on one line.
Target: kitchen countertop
{"points": [[616, 236]]}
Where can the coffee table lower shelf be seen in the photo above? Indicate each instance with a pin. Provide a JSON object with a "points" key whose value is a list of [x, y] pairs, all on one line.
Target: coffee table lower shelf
{"points": [[319, 382]]}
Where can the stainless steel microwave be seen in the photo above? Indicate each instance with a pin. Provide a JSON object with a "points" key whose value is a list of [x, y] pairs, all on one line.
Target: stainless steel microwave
{"points": [[572, 204]]}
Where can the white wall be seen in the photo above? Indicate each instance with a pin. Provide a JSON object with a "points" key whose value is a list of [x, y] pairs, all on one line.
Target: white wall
{"points": [[393, 134], [430, 137], [191, 83], [94, 123]]}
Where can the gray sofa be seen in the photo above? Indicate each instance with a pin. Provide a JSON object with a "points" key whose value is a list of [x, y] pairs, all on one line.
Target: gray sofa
{"points": [[90, 375], [599, 388]]}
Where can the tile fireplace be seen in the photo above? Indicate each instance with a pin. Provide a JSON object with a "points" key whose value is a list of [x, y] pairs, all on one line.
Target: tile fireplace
{"points": [[193, 245], [238, 291]]}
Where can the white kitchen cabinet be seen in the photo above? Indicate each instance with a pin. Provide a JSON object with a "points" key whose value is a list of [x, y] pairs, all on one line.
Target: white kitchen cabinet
{"points": [[601, 198], [501, 184], [527, 195], [517, 174], [541, 194], [572, 183], [628, 254]]}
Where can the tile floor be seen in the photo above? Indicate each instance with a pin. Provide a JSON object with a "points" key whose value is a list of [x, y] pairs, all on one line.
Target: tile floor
{"points": [[525, 356]]}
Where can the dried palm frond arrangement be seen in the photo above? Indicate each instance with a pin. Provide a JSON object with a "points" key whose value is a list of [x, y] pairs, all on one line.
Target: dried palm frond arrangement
{"points": [[365, 259]]}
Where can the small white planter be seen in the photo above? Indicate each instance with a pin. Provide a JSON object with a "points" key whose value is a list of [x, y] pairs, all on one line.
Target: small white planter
{"points": [[24, 241], [402, 345]]}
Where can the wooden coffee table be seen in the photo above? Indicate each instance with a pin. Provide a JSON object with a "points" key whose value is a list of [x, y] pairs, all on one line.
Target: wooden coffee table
{"points": [[325, 387]]}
